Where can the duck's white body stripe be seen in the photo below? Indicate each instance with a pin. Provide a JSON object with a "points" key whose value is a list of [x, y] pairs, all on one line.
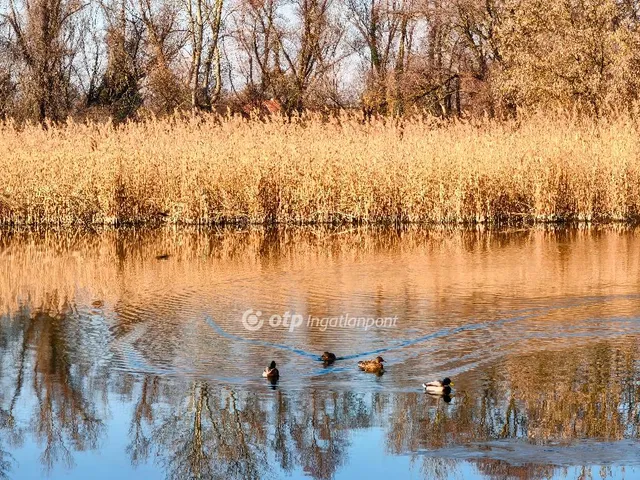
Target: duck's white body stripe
{"points": [[433, 389]]}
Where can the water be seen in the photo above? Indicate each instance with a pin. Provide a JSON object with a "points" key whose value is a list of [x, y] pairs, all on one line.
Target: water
{"points": [[123, 353]]}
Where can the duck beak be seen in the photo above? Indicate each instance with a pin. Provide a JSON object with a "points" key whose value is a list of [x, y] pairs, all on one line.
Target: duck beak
{"points": [[452, 384]]}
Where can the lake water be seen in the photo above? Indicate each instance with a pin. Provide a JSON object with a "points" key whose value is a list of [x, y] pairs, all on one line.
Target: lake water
{"points": [[124, 353]]}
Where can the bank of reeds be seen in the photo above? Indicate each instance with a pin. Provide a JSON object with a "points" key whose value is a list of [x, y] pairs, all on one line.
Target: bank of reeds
{"points": [[312, 171]]}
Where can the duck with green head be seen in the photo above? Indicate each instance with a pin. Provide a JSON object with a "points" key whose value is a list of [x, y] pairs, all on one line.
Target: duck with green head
{"points": [[271, 371], [328, 358], [438, 387]]}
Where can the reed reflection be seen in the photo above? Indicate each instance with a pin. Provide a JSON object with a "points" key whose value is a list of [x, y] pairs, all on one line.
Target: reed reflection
{"points": [[110, 330]]}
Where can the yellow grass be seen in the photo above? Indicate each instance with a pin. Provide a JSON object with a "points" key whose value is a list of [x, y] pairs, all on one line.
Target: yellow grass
{"points": [[212, 171]]}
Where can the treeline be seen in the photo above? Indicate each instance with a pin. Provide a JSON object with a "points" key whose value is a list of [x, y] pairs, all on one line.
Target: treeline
{"points": [[126, 58]]}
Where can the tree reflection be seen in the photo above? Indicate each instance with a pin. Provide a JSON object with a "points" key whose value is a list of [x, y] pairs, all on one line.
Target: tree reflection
{"points": [[590, 394], [544, 397], [224, 433], [312, 431], [541, 398], [140, 446], [198, 429], [64, 418], [5, 456], [210, 436]]}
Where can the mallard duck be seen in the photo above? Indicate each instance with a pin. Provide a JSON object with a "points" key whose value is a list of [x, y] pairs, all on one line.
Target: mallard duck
{"points": [[328, 357], [438, 387], [271, 371], [372, 366]]}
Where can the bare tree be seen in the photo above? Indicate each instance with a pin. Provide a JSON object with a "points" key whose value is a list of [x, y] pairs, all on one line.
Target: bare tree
{"points": [[164, 40], [257, 34], [382, 35], [289, 58], [8, 70], [204, 33], [119, 86], [309, 48], [45, 39], [570, 54]]}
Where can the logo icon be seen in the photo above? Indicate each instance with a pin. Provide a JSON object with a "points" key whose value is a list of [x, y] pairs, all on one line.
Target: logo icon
{"points": [[252, 321]]}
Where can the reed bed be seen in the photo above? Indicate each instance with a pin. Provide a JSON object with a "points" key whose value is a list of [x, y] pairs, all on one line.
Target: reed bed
{"points": [[229, 170]]}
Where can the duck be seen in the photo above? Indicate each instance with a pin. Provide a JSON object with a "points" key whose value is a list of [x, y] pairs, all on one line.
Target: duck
{"points": [[372, 366], [328, 357], [438, 387], [271, 371]]}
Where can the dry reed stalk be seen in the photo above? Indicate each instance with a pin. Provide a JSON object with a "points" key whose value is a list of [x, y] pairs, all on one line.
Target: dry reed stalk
{"points": [[310, 171]]}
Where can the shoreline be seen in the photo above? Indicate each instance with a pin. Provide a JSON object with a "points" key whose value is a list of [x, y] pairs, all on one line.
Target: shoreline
{"points": [[318, 230], [390, 225]]}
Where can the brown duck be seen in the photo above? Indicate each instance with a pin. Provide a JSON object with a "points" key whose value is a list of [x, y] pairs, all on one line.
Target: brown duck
{"points": [[372, 366]]}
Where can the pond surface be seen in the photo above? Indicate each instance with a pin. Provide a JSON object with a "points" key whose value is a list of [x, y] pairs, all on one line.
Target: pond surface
{"points": [[124, 353]]}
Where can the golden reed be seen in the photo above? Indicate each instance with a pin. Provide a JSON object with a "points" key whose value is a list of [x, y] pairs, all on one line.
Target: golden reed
{"points": [[218, 170]]}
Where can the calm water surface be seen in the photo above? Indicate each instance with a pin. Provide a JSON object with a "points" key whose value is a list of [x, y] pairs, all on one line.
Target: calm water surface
{"points": [[124, 354]]}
